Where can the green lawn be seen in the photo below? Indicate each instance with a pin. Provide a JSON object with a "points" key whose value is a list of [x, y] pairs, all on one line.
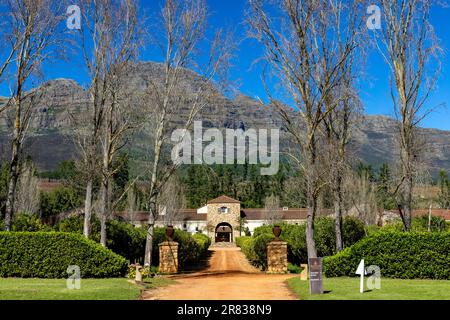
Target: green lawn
{"points": [[91, 289], [346, 288]]}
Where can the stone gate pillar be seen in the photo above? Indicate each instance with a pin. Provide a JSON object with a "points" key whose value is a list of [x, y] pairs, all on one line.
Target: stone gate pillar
{"points": [[168, 257], [277, 257]]}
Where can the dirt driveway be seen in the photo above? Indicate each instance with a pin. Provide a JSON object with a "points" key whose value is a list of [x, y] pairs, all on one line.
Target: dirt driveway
{"points": [[229, 276]]}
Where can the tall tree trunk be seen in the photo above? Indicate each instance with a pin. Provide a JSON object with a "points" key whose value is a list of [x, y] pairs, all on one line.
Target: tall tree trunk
{"points": [[13, 173], [103, 210], [310, 242], [407, 209], [88, 209], [338, 214], [149, 240]]}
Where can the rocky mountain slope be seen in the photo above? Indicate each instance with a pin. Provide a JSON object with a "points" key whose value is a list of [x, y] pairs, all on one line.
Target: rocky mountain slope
{"points": [[51, 137]]}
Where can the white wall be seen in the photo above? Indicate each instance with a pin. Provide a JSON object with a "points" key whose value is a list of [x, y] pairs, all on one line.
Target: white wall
{"points": [[189, 226]]}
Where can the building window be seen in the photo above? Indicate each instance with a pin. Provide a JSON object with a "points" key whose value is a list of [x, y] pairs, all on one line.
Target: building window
{"points": [[185, 226], [224, 210]]}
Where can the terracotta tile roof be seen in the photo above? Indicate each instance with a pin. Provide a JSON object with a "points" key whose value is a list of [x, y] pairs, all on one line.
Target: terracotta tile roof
{"points": [[443, 213], [289, 214], [223, 199], [182, 215]]}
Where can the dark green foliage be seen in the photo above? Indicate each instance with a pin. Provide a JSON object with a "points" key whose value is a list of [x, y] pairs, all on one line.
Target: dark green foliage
{"points": [[122, 238], [190, 249], [243, 182], [421, 224], [294, 269], [365, 171], [28, 222], [444, 192], [404, 255], [126, 240], [66, 171], [353, 230], [59, 200], [4, 178], [418, 224], [295, 236], [48, 255], [385, 198]]}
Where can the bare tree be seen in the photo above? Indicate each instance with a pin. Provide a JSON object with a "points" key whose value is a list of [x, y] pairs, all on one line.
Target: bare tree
{"points": [[410, 48], [35, 37], [109, 37], [123, 47], [272, 207], [362, 198], [338, 127], [181, 30], [28, 195], [306, 53], [10, 42], [172, 200]]}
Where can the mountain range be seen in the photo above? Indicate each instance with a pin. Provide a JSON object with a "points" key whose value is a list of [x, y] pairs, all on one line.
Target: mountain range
{"points": [[50, 138]]}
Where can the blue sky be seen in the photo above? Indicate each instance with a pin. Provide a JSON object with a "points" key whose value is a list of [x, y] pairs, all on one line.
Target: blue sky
{"points": [[229, 14]]}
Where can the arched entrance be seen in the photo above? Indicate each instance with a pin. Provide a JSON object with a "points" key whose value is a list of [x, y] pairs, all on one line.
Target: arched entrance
{"points": [[224, 232]]}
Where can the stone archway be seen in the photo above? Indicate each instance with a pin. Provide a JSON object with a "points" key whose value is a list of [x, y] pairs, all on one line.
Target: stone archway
{"points": [[224, 232]]}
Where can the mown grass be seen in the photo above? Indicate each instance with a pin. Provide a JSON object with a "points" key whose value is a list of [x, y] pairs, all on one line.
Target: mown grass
{"points": [[91, 289], [346, 288]]}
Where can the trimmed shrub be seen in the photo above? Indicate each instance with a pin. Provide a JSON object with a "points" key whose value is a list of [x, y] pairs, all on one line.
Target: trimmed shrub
{"points": [[125, 239], [247, 246], [295, 236], [48, 255], [260, 246], [190, 251], [294, 269], [203, 241], [404, 255], [121, 237], [128, 241]]}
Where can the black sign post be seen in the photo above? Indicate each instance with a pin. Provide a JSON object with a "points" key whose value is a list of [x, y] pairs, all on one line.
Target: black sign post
{"points": [[315, 275]]}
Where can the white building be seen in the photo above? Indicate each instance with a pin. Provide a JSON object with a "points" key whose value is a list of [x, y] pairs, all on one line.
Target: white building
{"points": [[222, 219]]}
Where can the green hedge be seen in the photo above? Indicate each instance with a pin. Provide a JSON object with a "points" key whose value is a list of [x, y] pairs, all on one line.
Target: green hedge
{"points": [[121, 237], [129, 241], [191, 249], [404, 255], [295, 236], [48, 254]]}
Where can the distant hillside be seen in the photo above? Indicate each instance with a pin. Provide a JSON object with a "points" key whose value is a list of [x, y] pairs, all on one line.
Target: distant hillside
{"points": [[50, 140]]}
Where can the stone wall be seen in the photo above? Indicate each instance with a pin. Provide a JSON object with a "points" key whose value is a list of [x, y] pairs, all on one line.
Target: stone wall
{"points": [[277, 257], [214, 218], [168, 257]]}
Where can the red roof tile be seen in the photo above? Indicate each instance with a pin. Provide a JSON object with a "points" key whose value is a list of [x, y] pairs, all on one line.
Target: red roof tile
{"points": [[223, 199]]}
